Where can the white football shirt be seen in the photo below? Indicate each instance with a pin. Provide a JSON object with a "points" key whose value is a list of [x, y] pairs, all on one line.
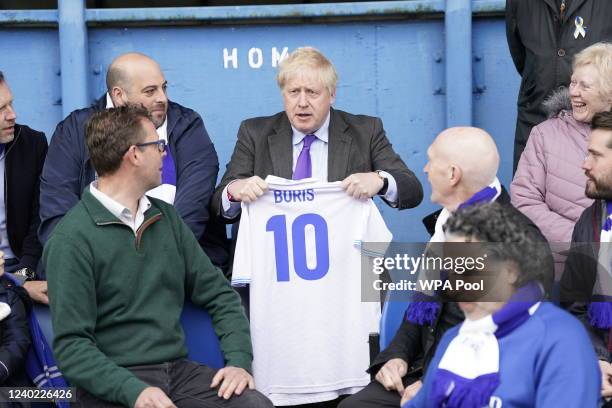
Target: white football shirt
{"points": [[299, 250]]}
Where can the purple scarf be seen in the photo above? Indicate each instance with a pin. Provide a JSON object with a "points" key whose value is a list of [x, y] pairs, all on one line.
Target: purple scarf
{"points": [[600, 311], [485, 195], [424, 309], [168, 169]]}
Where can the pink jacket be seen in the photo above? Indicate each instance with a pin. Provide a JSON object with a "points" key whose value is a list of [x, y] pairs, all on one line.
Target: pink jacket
{"points": [[549, 183]]}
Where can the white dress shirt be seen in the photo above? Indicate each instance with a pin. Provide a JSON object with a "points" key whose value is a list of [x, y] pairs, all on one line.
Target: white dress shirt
{"points": [[124, 214]]}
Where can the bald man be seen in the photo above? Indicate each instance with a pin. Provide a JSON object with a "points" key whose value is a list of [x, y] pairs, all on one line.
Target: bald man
{"points": [[462, 170], [189, 170]]}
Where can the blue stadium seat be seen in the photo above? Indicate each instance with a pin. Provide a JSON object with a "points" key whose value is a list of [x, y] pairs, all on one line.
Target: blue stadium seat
{"points": [[392, 316], [44, 321], [200, 337]]}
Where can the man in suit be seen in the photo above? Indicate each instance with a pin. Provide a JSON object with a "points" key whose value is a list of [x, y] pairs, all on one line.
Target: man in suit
{"points": [[311, 139], [22, 155], [462, 171], [189, 170]]}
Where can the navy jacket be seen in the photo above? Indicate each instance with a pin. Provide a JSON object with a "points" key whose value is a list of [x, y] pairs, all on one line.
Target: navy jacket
{"points": [[580, 275], [25, 157], [14, 335], [68, 170]]}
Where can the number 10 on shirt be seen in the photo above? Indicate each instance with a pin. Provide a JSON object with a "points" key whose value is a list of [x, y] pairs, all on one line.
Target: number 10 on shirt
{"points": [[277, 224]]}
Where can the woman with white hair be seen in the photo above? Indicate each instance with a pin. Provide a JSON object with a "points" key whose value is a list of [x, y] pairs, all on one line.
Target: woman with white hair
{"points": [[549, 183]]}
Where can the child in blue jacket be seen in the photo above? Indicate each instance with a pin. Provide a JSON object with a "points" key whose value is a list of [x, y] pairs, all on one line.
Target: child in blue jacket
{"points": [[14, 335]]}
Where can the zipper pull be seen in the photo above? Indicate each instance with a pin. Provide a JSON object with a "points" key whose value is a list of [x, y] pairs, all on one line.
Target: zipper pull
{"points": [[562, 10]]}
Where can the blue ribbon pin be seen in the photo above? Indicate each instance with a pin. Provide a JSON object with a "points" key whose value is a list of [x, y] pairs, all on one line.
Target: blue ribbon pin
{"points": [[580, 29]]}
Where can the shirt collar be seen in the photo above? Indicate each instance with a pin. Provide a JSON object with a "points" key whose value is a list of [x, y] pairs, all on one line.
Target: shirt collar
{"points": [[321, 134], [162, 131], [109, 101], [117, 209]]}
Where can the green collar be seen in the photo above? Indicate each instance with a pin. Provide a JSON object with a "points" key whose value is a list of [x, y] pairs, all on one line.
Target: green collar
{"points": [[101, 215]]}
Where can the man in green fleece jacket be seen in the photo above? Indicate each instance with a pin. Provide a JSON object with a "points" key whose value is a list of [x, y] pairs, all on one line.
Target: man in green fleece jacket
{"points": [[119, 266]]}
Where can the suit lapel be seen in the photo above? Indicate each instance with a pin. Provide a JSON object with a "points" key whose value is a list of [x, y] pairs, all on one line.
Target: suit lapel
{"points": [[338, 149], [553, 5], [574, 5], [281, 150]]}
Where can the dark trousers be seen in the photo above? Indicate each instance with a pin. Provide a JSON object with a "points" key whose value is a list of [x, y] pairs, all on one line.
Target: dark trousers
{"points": [[520, 141], [374, 395], [186, 383]]}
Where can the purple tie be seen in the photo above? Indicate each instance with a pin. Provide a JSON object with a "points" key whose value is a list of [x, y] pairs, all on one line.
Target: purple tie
{"points": [[303, 167]]}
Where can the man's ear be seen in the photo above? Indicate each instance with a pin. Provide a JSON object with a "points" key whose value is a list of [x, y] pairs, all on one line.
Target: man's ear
{"points": [[118, 96], [132, 156], [455, 175], [333, 96], [510, 272]]}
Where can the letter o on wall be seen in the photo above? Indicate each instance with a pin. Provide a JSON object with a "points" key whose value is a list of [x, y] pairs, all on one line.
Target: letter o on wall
{"points": [[255, 58]]}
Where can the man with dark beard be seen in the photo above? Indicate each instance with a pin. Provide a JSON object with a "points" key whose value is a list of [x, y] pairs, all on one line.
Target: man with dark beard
{"points": [[586, 285]]}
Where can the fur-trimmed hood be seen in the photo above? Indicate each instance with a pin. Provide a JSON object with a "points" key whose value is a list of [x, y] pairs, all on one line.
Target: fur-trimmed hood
{"points": [[558, 101]]}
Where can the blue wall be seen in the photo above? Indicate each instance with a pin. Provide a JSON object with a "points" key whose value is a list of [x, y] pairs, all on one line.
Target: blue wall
{"points": [[30, 62], [395, 69]]}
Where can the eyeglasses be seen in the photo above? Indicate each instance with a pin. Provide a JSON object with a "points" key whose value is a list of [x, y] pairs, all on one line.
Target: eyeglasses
{"points": [[161, 145]]}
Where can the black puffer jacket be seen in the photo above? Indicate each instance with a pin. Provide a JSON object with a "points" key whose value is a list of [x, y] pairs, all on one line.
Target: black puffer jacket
{"points": [[14, 335]]}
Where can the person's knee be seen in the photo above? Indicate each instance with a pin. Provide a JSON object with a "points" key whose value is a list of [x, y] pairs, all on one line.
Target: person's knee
{"points": [[346, 403], [352, 401], [254, 399]]}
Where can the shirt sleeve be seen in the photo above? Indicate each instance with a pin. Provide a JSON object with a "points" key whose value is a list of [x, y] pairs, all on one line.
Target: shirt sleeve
{"points": [[243, 260], [229, 209], [391, 195]]}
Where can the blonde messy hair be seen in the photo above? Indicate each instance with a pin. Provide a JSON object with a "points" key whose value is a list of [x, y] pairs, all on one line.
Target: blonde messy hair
{"points": [[600, 56], [307, 59]]}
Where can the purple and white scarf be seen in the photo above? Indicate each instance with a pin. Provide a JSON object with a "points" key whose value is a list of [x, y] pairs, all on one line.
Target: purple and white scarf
{"points": [[423, 308], [600, 311], [468, 372]]}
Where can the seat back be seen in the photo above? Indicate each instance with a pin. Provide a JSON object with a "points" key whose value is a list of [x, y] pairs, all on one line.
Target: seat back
{"points": [[391, 319], [200, 337]]}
